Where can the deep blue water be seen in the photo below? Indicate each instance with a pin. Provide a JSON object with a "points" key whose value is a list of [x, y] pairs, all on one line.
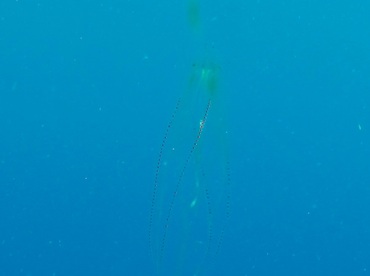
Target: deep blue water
{"points": [[87, 89]]}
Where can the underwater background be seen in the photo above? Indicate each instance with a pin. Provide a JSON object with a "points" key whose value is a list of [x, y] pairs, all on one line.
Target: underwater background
{"points": [[87, 89]]}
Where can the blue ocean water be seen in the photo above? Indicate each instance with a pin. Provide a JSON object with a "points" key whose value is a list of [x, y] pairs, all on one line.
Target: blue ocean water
{"points": [[87, 89]]}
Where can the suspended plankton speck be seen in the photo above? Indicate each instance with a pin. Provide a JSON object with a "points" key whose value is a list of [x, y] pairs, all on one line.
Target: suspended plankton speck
{"points": [[192, 204], [359, 127]]}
